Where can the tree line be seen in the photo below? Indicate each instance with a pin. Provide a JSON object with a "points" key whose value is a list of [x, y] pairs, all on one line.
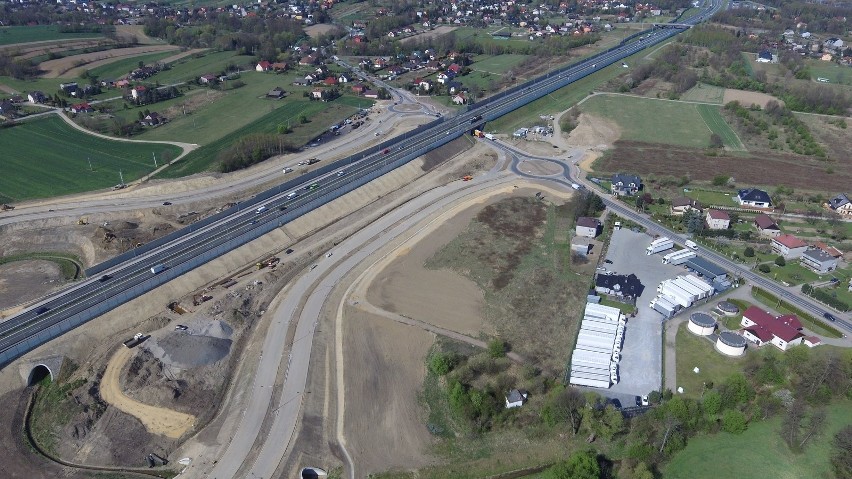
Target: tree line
{"points": [[252, 149]]}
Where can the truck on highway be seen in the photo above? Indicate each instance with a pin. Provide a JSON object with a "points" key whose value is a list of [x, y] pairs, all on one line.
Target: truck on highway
{"points": [[490, 136], [576, 186], [158, 268], [659, 244], [260, 209], [313, 161]]}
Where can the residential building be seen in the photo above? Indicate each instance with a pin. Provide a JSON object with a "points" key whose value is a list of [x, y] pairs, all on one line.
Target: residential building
{"points": [[316, 94], [718, 220], [754, 197], [36, 97], [834, 252], [765, 56], [619, 285], [582, 245], [516, 398], [788, 246], [371, 94], [263, 66], [7, 108], [841, 204], [459, 99], [137, 91], [682, 204], [760, 327], [587, 227], [625, 185], [766, 226], [207, 79], [276, 93], [82, 108], [819, 261]]}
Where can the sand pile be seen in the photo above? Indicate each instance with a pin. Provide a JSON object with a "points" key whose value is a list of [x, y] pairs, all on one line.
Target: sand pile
{"points": [[203, 343]]}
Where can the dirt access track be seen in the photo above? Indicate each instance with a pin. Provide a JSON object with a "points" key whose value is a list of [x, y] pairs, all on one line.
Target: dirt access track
{"points": [[157, 420], [73, 65]]}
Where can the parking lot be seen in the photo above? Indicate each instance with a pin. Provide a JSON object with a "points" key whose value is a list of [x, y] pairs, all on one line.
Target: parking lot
{"points": [[640, 368]]}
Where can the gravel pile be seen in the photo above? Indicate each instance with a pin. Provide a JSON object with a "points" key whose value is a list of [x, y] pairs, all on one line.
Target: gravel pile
{"points": [[201, 345]]}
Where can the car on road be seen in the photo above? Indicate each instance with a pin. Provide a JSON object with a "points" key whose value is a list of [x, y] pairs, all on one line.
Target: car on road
{"points": [[386, 151], [608, 261], [829, 317], [341, 172], [638, 400], [253, 222], [181, 327], [260, 210], [42, 310], [289, 251], [328, 255], [292, 195], [302, 163], [105, 278], [288, 170], [167, 203], [645, 401]]}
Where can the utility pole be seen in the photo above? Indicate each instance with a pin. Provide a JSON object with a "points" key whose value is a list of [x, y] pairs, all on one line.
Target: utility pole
{"points": [[155, 159], [90, 164], [121, 177]]}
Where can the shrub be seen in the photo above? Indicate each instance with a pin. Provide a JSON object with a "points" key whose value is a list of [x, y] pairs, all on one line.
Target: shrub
{"points": [[780, 261], [497, 348], [734, 421], [764, 268]]}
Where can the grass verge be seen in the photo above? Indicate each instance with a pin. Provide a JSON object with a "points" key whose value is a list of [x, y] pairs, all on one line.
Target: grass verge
{"points": [[51, 411], [694, 351], [70, 265]]}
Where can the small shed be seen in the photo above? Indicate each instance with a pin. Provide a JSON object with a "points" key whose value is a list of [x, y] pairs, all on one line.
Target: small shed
{"points": [[516, 398]]}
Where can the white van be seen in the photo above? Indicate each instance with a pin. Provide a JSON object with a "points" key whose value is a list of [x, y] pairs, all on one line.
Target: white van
{"points": [[292, 195], [158, 269], [691, 244], [260, 210]]}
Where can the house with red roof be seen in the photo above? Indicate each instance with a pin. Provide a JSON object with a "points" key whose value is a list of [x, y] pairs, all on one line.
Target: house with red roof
{"points": [[789, 246], [330, 80], [760, 328], [137, 91], [263, 66], [717, 220], [82, 108]]}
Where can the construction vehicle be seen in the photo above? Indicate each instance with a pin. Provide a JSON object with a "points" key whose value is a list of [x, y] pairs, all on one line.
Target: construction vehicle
{"points": [[6, 207], [84, 220], [467, 178], [270, 262], [478, 134]]}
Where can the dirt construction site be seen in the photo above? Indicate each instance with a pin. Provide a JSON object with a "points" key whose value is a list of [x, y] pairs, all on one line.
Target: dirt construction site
{"points": [[175, 392]]}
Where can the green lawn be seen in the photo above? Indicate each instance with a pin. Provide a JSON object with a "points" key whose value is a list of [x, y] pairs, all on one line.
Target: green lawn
{"points": [[759, 452], [122, 67], [711, 197], [713, 118], [12, 35], [497, 64], [47, 85], [792, 273], [693, 351], [836, 74], [46, 157], [651, 121]]}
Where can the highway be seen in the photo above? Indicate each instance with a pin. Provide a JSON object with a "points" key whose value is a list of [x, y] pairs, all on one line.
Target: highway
{"points": [[91, 298]]}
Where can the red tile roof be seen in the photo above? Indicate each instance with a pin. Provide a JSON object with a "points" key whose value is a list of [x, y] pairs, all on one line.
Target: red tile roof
{"points": [[770, 325], [830, 250], [790, 241], [761, 333], [719, 215], [790, 320]]}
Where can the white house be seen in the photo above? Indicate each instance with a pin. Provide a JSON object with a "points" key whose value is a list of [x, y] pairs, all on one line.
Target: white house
{"points": [[718, 220], [841, 204], [516, 398], [819, 261], [789, 246], [587, 227], [754, 197], [760, 328]]}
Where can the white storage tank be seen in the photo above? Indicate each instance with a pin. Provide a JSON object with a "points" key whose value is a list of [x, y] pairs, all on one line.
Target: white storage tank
{"points": [[731, 344], [701, 324]]}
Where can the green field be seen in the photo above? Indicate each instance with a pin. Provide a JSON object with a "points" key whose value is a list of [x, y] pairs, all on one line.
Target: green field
{"points": [[124, 66], [321, 115], [651, 121], [704, 93], [497, 64], [47, 158], [38, 33], [47, 85], [836, 74], [712, 116], [191, 67], [759, 452]]}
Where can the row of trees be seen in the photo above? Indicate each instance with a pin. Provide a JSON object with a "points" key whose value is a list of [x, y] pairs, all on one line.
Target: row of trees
{"points": [[819, 17], [252, 149]]}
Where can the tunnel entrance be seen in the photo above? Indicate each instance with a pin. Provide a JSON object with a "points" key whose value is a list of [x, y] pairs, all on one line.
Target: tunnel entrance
{"points": [[38, 374]]}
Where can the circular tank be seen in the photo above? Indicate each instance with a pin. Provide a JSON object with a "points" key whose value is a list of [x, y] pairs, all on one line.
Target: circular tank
{"points": [[727, 308], [701, 324], [731, 344]]}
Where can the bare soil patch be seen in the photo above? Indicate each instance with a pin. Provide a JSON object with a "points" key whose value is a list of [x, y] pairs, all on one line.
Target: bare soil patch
{"points": [[539, 167], [436, 32], [594, 132], [74, 64], [34, 49], [748, 98], [22, 281], [756, 168], [439, 297], [385, 370], [314, 31]]}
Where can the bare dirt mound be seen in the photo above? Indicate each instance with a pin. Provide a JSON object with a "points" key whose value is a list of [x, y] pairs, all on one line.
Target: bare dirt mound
{"points": [[181, 350], [748, 98], [594, 132], [22, 281]]}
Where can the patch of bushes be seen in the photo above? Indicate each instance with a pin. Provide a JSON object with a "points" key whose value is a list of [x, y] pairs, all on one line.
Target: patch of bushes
{"points": [[252, 149], [824, 296]]}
